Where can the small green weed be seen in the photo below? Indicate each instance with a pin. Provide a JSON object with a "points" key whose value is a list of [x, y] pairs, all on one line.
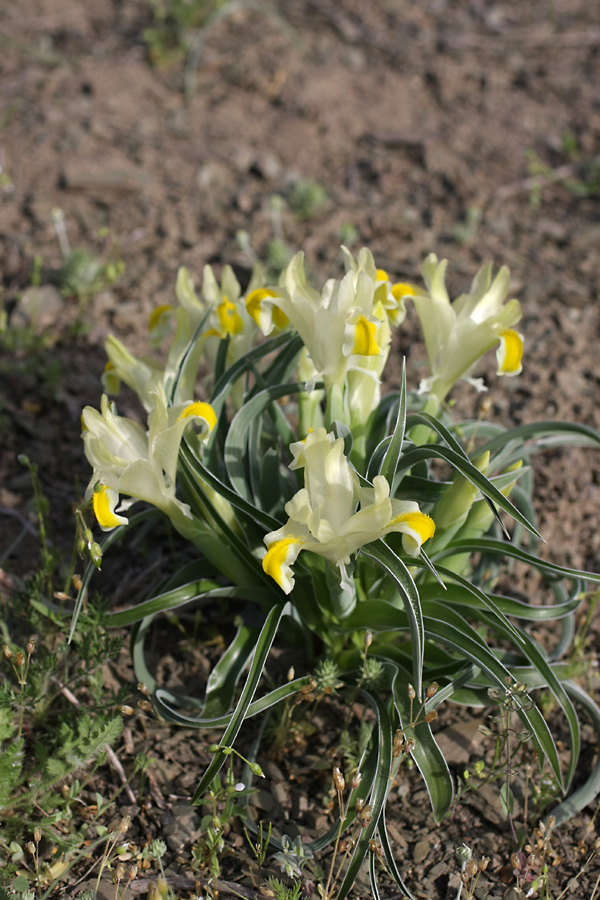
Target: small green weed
{"points": [[308, 199], [579, 176]]}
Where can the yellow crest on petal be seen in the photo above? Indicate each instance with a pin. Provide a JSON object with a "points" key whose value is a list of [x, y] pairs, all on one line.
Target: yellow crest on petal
{"points": [[401, 289], [229, 318], [418, 522], [254, 302], [365, 343], [510, 353], [382, 275], [204, 410], [101, 504], [156, 314], [276, 558]]}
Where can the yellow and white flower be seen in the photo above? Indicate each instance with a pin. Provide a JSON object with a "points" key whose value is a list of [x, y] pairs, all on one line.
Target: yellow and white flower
{"points": [[141, 375], [458, 334], [139, 464], [341, 331], [324, 517], [389, 298]]}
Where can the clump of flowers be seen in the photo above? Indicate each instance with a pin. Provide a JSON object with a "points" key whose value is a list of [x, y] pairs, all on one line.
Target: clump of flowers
{"points": [[311, 496]]}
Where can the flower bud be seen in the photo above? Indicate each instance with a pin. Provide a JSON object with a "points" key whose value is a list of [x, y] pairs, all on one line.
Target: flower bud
{"points": [[133, 870], [431, 716], [77, 583], [432, 690], [144, 705], [126, 710], [463, 854], [256, 770], [96, 554], [37, 834], [338, 780], [411, 692], [7, 651], [452, 509], [366, 816], [30, 646], [31, 847], [119, 871], [20, 658]]}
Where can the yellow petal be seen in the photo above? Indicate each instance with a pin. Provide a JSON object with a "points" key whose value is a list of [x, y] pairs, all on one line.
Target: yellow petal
{"points": [[277, 560], [104, 514], [510, 353], [418, 522], [156, 314], [365, 343], [382, 275], [204, 410], [400, 289], [254, 302], [229, 318]]}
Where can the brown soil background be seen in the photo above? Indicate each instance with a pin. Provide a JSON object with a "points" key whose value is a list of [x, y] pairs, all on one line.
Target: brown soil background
{"points": [[418, 118]]}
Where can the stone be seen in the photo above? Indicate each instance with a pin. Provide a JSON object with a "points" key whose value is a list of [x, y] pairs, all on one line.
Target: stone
{"points": [[38, 307]]}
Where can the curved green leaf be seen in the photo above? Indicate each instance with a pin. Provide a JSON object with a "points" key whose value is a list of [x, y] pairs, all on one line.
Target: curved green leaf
{"points": [[263, 646], [546, 433], [246, 363], [463, 465], [462, 640], [389, 856], [508, 605], [505, 548], [390, 461], [240, 428], [588, 792], [379, 789], [427, 755], [220, 686], [196, 590], [385, 556]]}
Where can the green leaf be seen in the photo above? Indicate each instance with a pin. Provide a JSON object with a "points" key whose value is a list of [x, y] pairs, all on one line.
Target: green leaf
{"points": [[463, 465], [221, 683], [547, 435], [246, 363], [390, 461], [427, 755], [263, 646], [11, 765], [507, 800], [387, 559], [506, 548], [466, 642], [588, 792], [202, 590], [236, 443], [389, 856], [382, 734]]}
